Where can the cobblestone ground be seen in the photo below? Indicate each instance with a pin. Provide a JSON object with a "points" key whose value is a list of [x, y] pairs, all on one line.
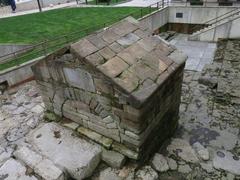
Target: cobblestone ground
{"points": [[205, 146], [20, 111]]}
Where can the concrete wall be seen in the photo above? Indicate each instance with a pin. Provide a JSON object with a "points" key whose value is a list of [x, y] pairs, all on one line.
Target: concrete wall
{"points": [[6, 49], [156, 20], [191, 15], [196, 15], [18, 74], [228, 29]]}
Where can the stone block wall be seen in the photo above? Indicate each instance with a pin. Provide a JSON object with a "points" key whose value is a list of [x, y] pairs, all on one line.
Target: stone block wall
{"points": [[73, 90], [121, 83]]}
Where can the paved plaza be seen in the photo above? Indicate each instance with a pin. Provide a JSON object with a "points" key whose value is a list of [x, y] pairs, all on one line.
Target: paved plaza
{"points": [[199, 53]]}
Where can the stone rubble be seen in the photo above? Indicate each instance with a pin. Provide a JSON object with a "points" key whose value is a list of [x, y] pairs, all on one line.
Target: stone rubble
{"points": [[77, 156], [182, 149], [208, 116], [227, 161], [160, 163], [13, 169], [147, 173], [41, 166], [201, 151], [113, 159]]}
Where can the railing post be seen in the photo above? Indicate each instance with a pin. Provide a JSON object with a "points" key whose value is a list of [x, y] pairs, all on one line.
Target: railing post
{"points": [[44, 48], [39, 6], [157, 5], [66, 37], [162, 3]]}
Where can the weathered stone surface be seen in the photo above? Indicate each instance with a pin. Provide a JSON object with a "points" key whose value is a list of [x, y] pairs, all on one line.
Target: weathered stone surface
{"points": [[142, 71], [113, 159], [124, 150], [16, 133], [120, 65], [178, 57], [184, 168], [97, 41], [83, 48], [77, 156], [207, 167], [149, 43], [79, 78], [113, 67], [116, 47], [109, 36], [132, 53], [70, 124], [128, 39], [211, 82], [126, 26], [160, 163], [128, 80], [107, 53], [226, 161], [95, 59], [172, 164], [201, 151], [43, 167], [147, 173], [109, 173], [47, 170], [225, 139], [106, 142], [28, 156], [13, 169], [182, 149]]}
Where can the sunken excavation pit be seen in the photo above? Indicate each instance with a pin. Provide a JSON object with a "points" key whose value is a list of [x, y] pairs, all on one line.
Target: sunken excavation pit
{"points": [[121, 84]]}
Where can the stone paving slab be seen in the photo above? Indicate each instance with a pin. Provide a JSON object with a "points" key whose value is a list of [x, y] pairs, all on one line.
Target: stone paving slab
{"points": [[76, 155], [199, 53], [13, 169]]}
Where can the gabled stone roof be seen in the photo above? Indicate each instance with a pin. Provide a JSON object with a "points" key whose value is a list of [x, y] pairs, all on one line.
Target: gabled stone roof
{"points": [[130, 56]]}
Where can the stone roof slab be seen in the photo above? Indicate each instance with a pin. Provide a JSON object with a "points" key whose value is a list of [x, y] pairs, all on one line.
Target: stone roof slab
{"points": [[83, 48], [113, 67]]}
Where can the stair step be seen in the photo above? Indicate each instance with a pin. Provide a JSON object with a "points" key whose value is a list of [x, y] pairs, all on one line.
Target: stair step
{"points": [[13, 169], [76, 156], [42, 167]]}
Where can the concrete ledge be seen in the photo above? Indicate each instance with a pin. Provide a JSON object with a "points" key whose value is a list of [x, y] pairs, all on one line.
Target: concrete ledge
{"points": [[17, 74]]}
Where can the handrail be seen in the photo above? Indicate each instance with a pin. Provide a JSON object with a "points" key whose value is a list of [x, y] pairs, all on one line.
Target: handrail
{"points": [[226, 17], [214, 19], [71, 37], [220, 20]]}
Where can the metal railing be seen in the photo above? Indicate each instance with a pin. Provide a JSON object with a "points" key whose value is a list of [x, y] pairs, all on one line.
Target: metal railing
{"points": [[216, 19], [45, 47], [225, 16]]}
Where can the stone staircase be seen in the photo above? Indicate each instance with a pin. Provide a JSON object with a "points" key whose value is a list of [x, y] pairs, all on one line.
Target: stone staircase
{"points": [[53, 152], [220, 27]]}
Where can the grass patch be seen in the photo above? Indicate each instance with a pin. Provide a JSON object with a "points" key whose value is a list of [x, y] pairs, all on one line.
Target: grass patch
{"points": [[36, 27], [71, 22]]}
